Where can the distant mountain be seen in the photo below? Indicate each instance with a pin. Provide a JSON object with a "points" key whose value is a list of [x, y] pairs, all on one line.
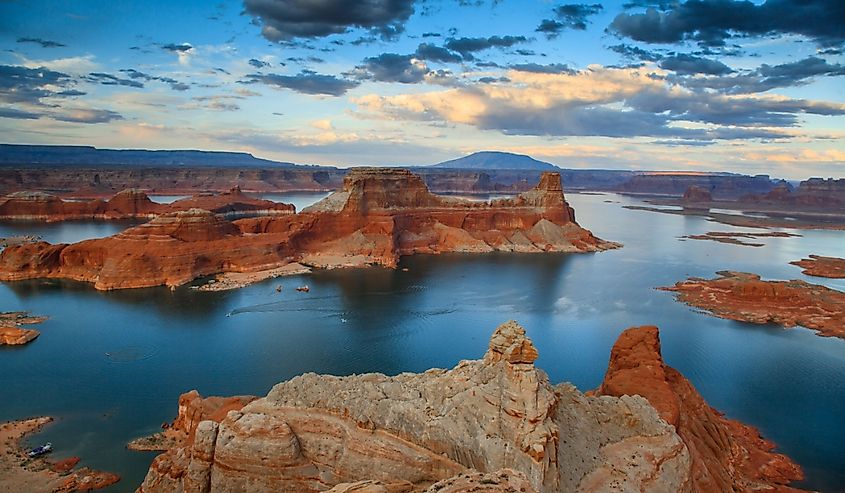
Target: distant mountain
{"points": [[490, 160], [50, 155]]}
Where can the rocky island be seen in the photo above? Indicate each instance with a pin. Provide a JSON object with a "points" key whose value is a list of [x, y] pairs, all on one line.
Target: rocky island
{"points": [[819, 266], [496, 422], [378, 216], [745, 297], [12, 334]]}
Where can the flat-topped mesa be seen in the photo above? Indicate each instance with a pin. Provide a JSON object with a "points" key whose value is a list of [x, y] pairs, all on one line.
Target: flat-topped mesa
{"points": [[373, 189], [315, 432], [726, 454], [133, 202], [232, 204]]}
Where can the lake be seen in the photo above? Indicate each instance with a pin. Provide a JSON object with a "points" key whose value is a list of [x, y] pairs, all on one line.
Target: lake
{"points": [[111, 365]]}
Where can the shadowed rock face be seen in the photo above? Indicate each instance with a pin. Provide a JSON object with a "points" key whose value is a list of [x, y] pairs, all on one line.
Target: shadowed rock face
{"points": [[459, 429], [726, 454], [378, 216]]}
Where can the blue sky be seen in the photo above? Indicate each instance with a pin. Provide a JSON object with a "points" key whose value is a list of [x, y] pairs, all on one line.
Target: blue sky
{"points": [[755, 87]]}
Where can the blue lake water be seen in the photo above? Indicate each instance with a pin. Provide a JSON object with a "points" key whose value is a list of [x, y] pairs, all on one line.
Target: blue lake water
{"points": [[111, 365]]}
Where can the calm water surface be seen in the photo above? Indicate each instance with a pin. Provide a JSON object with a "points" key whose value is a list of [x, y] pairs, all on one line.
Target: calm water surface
{"points": [[111, 365]]}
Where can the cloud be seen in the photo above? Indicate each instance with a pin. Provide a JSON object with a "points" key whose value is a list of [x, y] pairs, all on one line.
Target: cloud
{"points": [[18, 114], [711, 22], [434, 53], [551, 68], [87, 115], [19, 84], [467, 46], [283, 20], [306, 82], [689, 64], [112, 80], [179, 48], [258, 63], [766, 77], [391, 67], [173, 83], [568, 16], [45, 43], [635, 53], [601, 102]]}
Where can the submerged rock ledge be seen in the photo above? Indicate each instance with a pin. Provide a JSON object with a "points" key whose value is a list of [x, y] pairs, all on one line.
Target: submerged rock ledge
{"points": [[495, 424], [378, 216]]}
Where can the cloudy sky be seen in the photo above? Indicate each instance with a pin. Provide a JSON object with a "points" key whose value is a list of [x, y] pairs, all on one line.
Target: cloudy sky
{"points": [[755, 87]]}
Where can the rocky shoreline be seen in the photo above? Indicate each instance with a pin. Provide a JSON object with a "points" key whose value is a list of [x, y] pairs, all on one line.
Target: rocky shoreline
{"points": [[12, 334], [819, 266], [21, 473]]}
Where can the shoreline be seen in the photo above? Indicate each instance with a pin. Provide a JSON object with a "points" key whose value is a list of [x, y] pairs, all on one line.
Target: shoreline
{"points": [[18, 472]]}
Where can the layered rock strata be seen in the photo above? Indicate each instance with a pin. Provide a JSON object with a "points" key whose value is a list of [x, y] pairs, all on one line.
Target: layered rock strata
{"points": [[378, 216], [11, 334], [727, 456], [745, 297], [816, 265], [411, 431], [132, 203]]}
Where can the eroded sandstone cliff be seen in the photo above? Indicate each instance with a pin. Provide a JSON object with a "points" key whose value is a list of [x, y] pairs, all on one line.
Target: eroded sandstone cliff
{"points": [[410, 431], [378, 216]]}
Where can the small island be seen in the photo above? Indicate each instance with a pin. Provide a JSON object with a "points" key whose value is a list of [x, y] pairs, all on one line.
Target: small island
{"points": [[745, 297], [818, 266], [11, 334]]}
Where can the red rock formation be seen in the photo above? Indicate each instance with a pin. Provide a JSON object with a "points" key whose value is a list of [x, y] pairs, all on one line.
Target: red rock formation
{"points": [[744, 297], [378, 216], [446, 430], [819, 266], [14, 336], [813, 194], [132, 203], [697, 195], [726, 454]]}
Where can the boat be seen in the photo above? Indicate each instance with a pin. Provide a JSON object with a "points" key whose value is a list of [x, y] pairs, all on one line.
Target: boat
{"points": [[279, 288], [303, 289], [47, 447]]}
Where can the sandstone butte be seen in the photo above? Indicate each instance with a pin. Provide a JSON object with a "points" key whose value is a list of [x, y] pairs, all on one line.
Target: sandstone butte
{"points": [[495, 424], [378, 216], [131, 203], [745, 297], [819, 266]]}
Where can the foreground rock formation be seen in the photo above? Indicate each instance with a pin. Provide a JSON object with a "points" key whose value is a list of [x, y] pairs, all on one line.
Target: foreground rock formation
{"points": [[378, 216], [747, 298], [726, 454], [819, 266], [21, 473], [12, 334], [495, 424], [132, 203]]}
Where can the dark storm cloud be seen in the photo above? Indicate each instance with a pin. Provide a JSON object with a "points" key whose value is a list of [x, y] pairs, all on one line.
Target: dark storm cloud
{"points": [[568, 16], [287, 19], [18, 114], [391, 67], [173, 83], [20, 84], [45, 43], [306, 82], [551, 68], [112, 80], [182, 47], [88, 116], [433, 53], [711, 22], [467, 46], [689, 64], [766, 77], [258, 63], [635, 53]]}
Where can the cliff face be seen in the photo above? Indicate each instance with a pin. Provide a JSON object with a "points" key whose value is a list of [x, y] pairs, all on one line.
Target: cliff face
{"points": [[377, 216], [412, 430], [726, 454], [132, 203], [815, 193], [721, 186]]}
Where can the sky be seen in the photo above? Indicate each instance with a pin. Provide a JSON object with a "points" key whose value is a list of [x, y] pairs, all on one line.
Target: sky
{"points": [[701, 85]]}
